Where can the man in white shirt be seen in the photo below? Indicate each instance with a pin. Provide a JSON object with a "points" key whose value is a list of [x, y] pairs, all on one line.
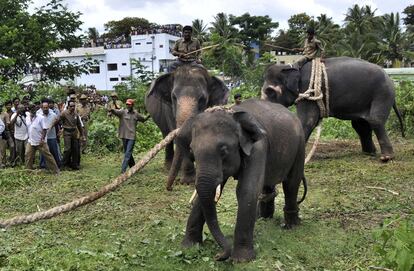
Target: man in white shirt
{"points": [[19, 120], [37, 141], [51, 136]]}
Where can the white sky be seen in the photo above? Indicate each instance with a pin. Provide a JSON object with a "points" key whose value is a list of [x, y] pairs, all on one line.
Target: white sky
{"points": [[97, 12]]}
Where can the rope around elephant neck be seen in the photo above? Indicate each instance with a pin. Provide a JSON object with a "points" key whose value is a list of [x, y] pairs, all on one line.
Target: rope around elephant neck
{"points": [[25, 219], [314, 92]]}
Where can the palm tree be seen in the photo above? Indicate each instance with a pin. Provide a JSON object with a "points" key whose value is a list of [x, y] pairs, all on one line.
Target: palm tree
{"points": [[222, 26], [93, 35], [200, 30], [392, 39]]}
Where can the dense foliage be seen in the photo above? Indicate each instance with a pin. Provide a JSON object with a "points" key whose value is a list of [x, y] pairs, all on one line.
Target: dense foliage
{"points": [[29, 40]]}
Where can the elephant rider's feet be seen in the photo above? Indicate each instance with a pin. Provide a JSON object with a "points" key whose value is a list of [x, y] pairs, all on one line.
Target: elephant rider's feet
{"points": [[386, 158]]}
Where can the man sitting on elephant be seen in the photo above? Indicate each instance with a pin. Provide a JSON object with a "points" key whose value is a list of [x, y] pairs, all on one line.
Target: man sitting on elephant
{"points": [[187, 49], [311, 49]]}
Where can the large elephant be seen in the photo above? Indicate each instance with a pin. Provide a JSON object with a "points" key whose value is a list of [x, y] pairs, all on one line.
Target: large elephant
{"points": [[260, 144], [358, 91], [174, 97]]}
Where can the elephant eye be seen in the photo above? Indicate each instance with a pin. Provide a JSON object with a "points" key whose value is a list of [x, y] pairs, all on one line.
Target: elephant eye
{"points": [[224, 150]]}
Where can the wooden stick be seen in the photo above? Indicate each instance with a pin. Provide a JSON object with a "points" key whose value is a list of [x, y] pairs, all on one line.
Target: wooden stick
{"points": [[280, 47], [383, 189], [202, 49], [379, 268]]}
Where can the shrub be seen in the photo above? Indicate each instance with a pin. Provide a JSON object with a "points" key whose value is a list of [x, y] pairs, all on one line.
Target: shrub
{"points": [[395, 246], [405, 103]]}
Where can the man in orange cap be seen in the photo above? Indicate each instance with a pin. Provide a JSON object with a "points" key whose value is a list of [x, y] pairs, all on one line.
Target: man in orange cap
{"points": [[128, 120]]}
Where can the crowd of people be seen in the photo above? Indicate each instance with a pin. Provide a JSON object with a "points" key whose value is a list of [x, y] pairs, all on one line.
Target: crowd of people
{"points": [[28, 127]]}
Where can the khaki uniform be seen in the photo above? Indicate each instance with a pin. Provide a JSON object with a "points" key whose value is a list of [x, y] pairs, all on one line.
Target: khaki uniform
{"points": [[311, 49], [84, 113], [3, 143], [182, 46], [44, 150], [116, 106], [72, 128]]}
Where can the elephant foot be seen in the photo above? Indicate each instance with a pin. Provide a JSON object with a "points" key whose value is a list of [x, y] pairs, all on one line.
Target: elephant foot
{"points": [[291, 219], [243, 255], [188, 242], [222, 256], [188, 179], [386, 158]]}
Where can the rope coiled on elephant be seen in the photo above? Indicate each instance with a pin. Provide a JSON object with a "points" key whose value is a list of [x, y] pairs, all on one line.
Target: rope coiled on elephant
{"points": [[314, 92]]}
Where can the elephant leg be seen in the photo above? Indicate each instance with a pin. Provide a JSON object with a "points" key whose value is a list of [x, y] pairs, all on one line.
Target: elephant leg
{"points": [[195, 223], [188, 171], [169, 156], [387, 152], [266, 203], [364, 132], [291, 209]]}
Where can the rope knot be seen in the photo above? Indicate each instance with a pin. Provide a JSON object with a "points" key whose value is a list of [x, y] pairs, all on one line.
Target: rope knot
{"points": [[314, 92]]}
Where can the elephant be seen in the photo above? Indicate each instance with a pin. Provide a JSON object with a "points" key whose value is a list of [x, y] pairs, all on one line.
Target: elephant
{"points": [[358, 91], [176, 96], [259, 144]]}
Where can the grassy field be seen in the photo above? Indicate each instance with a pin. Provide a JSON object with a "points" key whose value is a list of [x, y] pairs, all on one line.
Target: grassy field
{"points": [[140, 226]]}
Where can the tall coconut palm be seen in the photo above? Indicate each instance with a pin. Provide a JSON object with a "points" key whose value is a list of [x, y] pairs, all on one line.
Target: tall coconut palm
{"points": [[200, 30], [92, 34], [392, 38]]}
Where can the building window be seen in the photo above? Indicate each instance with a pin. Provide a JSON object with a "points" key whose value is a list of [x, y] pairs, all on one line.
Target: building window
{"points": [[161, 46], [124, 78], [282, 62], [123, 64], [114, 79], [112, 67], [95, 69], [138, 43], [149, 42]]}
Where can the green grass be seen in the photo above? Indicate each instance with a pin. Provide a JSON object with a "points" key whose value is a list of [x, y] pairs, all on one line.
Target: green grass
{"points": [[140, 226]]}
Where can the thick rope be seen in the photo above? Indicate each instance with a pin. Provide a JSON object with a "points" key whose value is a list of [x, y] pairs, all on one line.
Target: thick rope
{"points": [[315, 143], [25, 219], [314, 92]]}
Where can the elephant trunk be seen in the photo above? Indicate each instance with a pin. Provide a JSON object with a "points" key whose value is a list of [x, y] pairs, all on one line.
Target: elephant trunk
{"points": [[206, 187], [186, 108]]}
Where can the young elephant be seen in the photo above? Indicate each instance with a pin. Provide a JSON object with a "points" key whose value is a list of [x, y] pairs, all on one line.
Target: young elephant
{"points": [[260, 144]]}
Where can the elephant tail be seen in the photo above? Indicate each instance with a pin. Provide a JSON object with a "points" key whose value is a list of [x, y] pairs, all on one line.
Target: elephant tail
{"points": [[398, 113], [305, 190]]}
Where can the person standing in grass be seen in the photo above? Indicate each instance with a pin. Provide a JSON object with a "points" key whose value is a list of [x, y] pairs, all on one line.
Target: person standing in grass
{"points": [[19, 120], [128, 120]]}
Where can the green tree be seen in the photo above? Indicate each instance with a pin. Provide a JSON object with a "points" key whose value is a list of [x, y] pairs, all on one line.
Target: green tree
{"points": [[222, 27], [124, 27], [392, 39], [409, 13], [253, 28], [29, 40], [92, 35]]}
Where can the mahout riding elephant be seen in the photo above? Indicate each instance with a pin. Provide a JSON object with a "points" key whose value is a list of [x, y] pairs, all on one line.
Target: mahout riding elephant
{"points": [[176, 96], [260, 144], [358, 91]]}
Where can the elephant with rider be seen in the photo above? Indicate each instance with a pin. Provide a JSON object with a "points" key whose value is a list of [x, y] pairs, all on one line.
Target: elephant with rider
{"points": [[357, 90], [176, 96]]}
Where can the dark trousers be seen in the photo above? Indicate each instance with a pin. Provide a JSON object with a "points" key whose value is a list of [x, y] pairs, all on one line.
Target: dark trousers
{"points": [[71, 154], [20, 150], [54, 150], [179, 63], [128, 145]]}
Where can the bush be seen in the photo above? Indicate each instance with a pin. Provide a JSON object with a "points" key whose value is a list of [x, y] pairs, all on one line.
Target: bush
{"points": [[395, 246], [405, 103]]}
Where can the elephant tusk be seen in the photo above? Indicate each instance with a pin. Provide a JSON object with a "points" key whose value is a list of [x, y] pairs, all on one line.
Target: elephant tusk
{"points": [[193, 197], [218, 193], [216, 197]]}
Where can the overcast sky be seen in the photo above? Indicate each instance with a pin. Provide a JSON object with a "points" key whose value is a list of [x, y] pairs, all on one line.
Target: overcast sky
{"points": [[97, 12]]}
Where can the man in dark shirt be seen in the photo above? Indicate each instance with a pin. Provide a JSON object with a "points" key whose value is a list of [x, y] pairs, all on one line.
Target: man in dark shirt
{"points": [[187, 49], [128, 120]]}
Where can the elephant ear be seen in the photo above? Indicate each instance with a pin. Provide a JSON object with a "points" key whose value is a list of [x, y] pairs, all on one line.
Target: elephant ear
{"points": [[161, 87], [292, 77], [218, 92], [250, 132]]}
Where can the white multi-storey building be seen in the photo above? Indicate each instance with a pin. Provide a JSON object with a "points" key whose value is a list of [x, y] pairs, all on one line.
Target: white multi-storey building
{"points": [[151, 50]]}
